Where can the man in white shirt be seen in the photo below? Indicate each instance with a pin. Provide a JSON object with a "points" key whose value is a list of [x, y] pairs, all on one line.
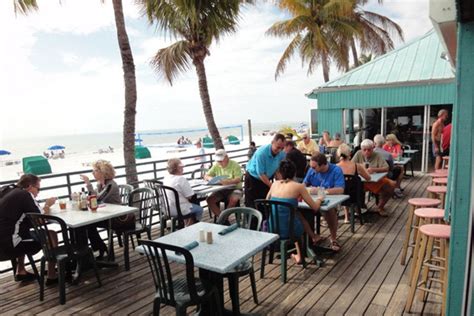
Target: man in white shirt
{"points": [[177, 181]]}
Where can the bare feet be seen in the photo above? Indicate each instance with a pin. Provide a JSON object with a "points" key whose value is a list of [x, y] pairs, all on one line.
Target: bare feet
{"points": [[297, 258], [317, 238], [335, 246], [382, 213]]}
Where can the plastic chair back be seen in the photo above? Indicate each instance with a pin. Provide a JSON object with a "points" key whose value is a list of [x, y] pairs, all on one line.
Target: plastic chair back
{"points": [[143, 199], [42, 226], [272, 210], [199, 173], [244, 216], [167, 193], [125, 190], [354, 188], [163, 276]]}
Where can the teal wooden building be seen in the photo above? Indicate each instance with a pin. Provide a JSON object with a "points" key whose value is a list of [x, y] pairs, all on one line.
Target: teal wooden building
{"points": [[406, 87], [399, 92]]}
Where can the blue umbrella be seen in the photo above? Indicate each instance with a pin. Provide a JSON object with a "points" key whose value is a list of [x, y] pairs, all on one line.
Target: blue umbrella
{"points": [[4, 152], [56, 147], [138, 139]]}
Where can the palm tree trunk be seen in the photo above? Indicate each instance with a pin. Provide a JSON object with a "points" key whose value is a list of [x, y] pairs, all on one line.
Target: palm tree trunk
{"points": [[325, 65], [130, 94], [354, 53], [206, 103]]}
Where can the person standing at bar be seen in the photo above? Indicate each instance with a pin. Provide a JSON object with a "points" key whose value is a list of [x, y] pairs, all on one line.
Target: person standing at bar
{"points": [[436, 132], [261, 169]]}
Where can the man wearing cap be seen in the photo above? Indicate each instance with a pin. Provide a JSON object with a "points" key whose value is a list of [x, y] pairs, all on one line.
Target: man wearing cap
{"points": [[261, 168], [307, 145], [231, 170]]}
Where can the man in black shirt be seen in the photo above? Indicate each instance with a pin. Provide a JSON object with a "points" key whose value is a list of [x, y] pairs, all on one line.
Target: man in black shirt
{"points": [[15, 238], [298, 158]]}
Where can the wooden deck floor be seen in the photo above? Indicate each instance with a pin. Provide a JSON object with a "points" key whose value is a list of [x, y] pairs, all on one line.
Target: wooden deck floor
{"points": [[365, 277]]}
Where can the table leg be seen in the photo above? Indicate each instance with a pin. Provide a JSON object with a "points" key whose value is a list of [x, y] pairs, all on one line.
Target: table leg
{"points": [[110, 262]]}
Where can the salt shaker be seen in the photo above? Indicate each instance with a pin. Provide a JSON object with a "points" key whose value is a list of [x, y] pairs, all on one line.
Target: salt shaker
{"points": [[202, 235]]}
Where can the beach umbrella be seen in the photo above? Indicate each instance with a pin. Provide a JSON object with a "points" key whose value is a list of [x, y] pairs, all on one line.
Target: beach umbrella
{"points": [[4, 152], [56, 147], [138, 140]]}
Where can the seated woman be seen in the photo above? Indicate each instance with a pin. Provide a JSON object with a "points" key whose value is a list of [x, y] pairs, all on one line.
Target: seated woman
{"points": [[337, 141], [15, 237], [349, 168], [176, 180], [287, 190], [107, 191], [393, 146]]}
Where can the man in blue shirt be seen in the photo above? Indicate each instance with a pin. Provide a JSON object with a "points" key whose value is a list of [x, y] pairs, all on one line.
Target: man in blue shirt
{"points": [[331, 179], [261, 168]]}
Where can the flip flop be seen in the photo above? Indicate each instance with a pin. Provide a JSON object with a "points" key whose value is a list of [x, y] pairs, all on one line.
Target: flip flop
{"points": [[335, 246]]}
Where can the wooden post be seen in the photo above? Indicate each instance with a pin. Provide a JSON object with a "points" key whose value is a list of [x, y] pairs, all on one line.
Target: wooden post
{"points": [[459, 195], [249, 122]]}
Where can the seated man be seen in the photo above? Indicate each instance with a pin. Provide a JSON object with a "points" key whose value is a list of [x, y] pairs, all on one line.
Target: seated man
{"points": [[307, 145], [331, 179], [395, 172], [231, 169], [296, 157], [15, 237], [375, 163], [176, 180]]}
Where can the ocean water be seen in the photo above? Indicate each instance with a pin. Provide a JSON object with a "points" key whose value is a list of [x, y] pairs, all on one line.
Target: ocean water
{"points": [[82, 150]]}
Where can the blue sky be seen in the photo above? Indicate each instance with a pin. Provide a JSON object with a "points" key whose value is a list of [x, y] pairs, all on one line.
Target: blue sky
{"points": [[61, 70]]}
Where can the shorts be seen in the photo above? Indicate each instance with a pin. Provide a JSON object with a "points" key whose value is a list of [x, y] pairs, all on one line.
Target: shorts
{"points": [[395, 173], [376, 187], [224, 195], [441, 152], [197, 211], [26, 246]]}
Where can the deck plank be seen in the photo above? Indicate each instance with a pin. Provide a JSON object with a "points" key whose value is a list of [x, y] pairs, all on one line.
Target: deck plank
{"points": [[365, 277]]}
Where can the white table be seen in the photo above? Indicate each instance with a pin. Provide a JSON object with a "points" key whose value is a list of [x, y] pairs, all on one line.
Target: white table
{"points": [[75, 218], [375, 177], [403, 162], [334, 201], [410, 151], [201, 187], [223, 255]]}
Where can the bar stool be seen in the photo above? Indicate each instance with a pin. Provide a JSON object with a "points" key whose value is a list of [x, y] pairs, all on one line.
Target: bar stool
{"points": [[429, 233], [437, 191], [414, 204], [443, 172], [445, 162], [426, 215], [440, 181]]}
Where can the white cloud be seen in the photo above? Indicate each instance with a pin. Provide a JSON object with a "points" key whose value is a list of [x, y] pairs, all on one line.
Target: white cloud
{"points": [[84, 93]]}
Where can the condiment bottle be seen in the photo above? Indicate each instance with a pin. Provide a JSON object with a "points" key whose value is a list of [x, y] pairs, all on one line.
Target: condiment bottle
{"points": [[92, 201]]}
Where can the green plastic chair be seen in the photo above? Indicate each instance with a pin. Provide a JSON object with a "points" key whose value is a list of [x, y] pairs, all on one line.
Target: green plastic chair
{"points": [[270, 209], [244, 217]]}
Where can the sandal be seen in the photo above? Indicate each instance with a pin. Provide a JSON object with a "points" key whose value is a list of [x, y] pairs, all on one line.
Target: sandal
{"points": [[335, 246]]}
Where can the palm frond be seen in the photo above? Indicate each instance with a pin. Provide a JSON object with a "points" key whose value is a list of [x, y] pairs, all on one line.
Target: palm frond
{"points": [[24, 6], [172, 60], [287, 54]]}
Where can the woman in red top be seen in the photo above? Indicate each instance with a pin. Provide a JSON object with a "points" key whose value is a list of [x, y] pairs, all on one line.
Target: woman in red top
{"points": [[393, 145]]}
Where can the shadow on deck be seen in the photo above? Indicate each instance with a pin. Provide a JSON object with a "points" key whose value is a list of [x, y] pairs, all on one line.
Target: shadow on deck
{"points": [[365, 277]]}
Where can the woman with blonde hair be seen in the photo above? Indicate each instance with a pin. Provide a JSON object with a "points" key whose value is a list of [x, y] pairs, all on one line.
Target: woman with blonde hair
{"points": [[349, 168], [393, 145], [107, 191]]}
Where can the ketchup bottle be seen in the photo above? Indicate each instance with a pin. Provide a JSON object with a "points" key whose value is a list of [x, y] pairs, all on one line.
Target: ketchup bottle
{"points": [[92, 201]]}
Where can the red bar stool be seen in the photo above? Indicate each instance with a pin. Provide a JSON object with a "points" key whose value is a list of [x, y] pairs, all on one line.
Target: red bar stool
{"points": [[427, 215], [440, 181], [442, 172], [437, 191], [414, 204], [429, 233]]}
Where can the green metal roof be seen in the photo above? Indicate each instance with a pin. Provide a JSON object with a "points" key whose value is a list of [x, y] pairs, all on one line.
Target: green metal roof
{"points": [[418, 62]]}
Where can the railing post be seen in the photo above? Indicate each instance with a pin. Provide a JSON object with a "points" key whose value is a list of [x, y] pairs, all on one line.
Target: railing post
{"points": [[154, 170], [68, 181]]}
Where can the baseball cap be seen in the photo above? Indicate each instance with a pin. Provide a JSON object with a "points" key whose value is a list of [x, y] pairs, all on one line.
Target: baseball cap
{"points": [[220, 154]]}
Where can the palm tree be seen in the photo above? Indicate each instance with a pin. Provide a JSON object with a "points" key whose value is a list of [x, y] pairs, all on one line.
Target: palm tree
{"points": [[374, 35], [130, 94], [196, 24], [319, 31], [26, 6]]}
